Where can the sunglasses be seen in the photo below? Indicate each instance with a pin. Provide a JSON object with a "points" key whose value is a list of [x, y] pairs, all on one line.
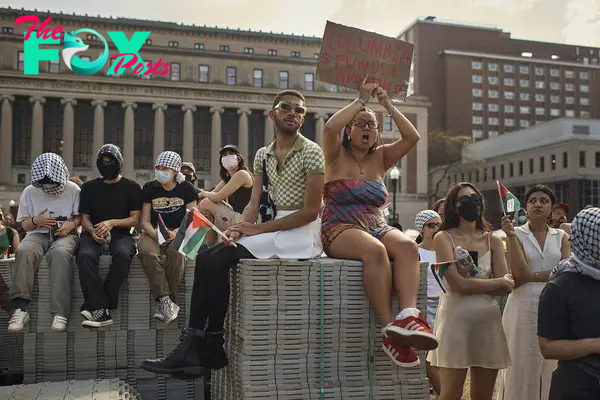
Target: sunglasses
{"points": [[470, 198], [433, 225], [289, 107], [361, 123]]}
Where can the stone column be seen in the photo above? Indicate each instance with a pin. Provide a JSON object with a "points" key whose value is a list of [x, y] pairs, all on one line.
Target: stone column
{"points": [[215, 144], [269, 129], [320, 126], [188, 133], [129, 139], [98, 140], [37, 127], [159, 128], [6, 132], [68, 139], [243, 139]]}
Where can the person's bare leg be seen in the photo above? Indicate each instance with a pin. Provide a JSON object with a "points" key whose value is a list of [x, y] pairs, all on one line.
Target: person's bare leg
{"points": [[452, 381], [483, 381], [209, 209], [406, 267], [354, 244], [433, 374]]}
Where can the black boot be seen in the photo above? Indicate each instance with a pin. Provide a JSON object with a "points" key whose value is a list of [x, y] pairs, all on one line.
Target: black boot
{"points": [[184, 360], [213, 356]]}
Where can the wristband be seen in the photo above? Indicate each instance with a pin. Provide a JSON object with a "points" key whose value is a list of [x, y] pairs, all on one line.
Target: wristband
{"points": [[33, 222]]}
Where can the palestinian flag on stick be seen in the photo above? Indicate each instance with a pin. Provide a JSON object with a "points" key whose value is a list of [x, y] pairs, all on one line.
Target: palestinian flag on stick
{"points": [[191, 233], [510, 203], [439, 270], [162, 233]]}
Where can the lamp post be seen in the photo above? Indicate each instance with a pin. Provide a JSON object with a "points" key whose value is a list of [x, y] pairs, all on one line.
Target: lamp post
{"points": [[394, 175]]}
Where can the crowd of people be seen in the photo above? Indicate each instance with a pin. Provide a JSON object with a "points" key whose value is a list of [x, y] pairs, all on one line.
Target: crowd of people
{"points": [[302, 200]]}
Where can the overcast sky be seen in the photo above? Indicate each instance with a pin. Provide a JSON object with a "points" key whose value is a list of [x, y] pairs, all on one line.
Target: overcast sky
{"points": [[565, 21]]}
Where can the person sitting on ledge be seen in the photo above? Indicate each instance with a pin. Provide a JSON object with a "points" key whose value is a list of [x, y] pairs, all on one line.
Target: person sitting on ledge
{"points": [[49, 212], [294, 168], [224, 205], [354, 227]]}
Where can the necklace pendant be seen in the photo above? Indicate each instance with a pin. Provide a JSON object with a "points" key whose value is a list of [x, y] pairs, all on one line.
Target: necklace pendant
{"points": [[362, 171]]}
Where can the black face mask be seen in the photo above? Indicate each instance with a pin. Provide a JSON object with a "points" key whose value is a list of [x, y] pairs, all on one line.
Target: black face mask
{"points": [[189, 178], [470, 210], [109, 170]]}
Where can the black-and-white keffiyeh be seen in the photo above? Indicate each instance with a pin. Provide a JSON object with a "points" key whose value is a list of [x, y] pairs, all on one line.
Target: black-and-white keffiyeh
{"points": [[172, 160], [50, 166], [585, 246], [422, 218]]}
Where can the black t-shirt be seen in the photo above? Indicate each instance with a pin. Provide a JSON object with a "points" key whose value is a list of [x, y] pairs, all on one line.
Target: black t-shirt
{"points": [[169, 204], [103, 201], [568, 310]]}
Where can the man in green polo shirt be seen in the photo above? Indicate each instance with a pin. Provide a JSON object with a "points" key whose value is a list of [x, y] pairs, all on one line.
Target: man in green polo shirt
{"points": [[295, 169]]}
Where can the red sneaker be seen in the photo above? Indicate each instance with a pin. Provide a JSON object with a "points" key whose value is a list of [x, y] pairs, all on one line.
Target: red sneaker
{"points": [[402, 356], [412, 332]]}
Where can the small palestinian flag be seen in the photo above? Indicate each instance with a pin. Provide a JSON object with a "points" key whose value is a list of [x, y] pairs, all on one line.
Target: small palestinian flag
{"points": [[191, 233], [162, 233], [510, 203], [439, 270]]}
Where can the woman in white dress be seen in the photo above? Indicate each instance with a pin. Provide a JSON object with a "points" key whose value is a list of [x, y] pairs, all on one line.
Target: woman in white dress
{"points": [[534, 249]]}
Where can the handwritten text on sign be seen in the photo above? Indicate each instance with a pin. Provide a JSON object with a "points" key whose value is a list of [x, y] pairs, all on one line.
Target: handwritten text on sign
{"points": [[348, 54]]}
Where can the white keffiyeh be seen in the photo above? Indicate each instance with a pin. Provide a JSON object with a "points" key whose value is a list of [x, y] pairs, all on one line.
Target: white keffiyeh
{"points": [[422, 218], [50, 166], [172, 160]]}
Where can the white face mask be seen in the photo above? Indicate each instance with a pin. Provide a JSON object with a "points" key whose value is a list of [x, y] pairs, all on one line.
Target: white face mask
{"points": [[230, 161], [163, 176]]}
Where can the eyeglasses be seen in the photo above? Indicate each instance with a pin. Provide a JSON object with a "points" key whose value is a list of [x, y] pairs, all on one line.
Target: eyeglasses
{"points": [[289, 107], [470, 198], [433, 225], [361, 123]]}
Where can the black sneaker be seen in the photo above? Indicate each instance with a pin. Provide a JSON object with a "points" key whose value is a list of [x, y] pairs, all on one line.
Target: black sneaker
{"points": [[99, 319]]}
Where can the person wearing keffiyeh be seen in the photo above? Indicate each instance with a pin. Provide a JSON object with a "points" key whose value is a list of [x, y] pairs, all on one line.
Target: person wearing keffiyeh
{"points": [[568, 323], [48, 211]]}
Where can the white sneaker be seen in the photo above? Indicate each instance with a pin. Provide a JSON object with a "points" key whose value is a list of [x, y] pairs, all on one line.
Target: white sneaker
{"points": [[171, 311], [159, 314], [59, 324], [18, 320]]}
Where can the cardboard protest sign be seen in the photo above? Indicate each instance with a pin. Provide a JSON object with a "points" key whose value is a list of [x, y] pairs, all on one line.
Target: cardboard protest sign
{"points": [[348, 54]]}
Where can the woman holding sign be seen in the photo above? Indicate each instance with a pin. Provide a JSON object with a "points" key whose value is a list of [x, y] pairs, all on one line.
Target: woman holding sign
{"points": [[534, 249], [353, 226]]}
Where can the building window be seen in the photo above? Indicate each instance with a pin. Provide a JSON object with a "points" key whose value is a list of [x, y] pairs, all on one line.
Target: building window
{"points": [[493, 107], [521, 168], [542, 164], [54, 66], [523, 69], [524, 83], [224, 48], [584, 114], [524, 110], [598, 159], [203, 73], [569, 87], [148, 42], [7, 29], [387, 123], [142, 75], [316, 56], [91, 38], [477, 107], [257, 78], [569, 113], [21, 60], [231, 76], [476, 78], [175, 74], [570, 100], [554, 112], [509, 68], [509, 108], [309, 81], [502, 171], [584, 88], [477, 133], [540, 98], [492, 80], [555, 73], [296, 54], [86, 58], [477, 120], [283, 80], [539, 71], [569, 74], [476, 65], [540, 111], [493, 121], [249, 50], [509, 82], [492, 134], [565, 160], [173, 43], [583, 75], [524, 123], [493, 94], [540, 85], [554, 99], [582, 159], [485, 174], [531, 165], [493, 172], [524, 96], [509, 95], [492, 67], [509, 122], [272, 52], [584, 101], [554, 86], [477, 92], [553, 162], [199, 46], [511, 170]]}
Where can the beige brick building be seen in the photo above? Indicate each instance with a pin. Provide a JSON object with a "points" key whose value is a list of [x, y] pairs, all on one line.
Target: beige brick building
{"points": [[220, 85]]}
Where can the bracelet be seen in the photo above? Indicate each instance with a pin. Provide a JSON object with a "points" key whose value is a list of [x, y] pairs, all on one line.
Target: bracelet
{"points": [[361, 101], [392, 113], [33, 222]]}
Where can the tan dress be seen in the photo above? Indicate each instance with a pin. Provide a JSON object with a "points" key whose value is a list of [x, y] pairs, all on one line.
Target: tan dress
{"points": [[469, 328]]}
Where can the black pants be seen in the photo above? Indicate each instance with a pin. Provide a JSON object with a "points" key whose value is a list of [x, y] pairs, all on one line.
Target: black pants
{"points": [[210, 296], [572, 383], [96, 294]]}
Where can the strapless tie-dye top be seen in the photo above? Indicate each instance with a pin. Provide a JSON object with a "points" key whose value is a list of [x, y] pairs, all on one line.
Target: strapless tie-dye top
{"points": [[353, 204]]}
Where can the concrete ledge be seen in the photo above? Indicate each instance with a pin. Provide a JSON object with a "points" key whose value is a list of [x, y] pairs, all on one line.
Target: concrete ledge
{"points": [[107, 389]]}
